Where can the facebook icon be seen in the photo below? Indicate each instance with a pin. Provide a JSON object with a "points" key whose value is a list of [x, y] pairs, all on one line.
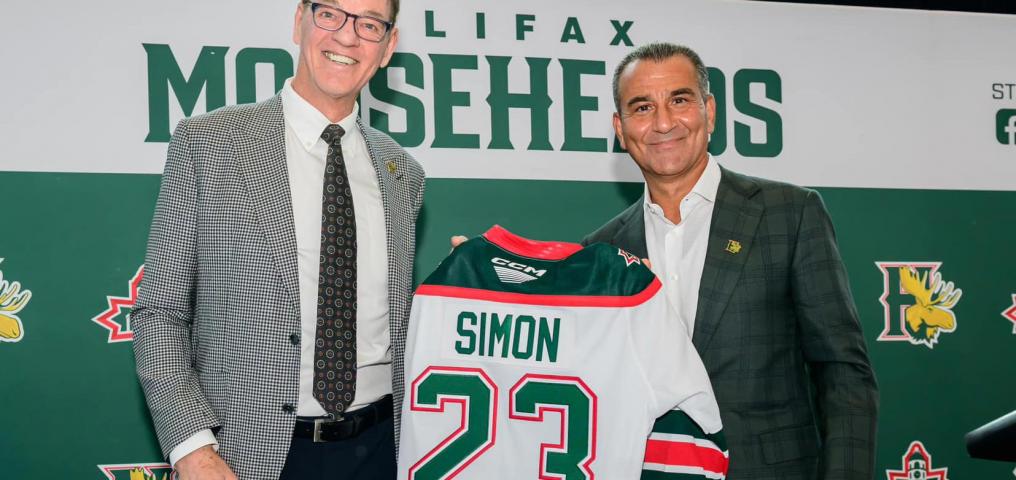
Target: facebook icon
{"points": [[1005, 126]]}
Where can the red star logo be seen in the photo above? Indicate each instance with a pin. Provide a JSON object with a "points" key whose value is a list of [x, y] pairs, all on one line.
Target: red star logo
{"points": [[917, 458], [1010, 314], [120, 331], [628, 258], [147, 471]]}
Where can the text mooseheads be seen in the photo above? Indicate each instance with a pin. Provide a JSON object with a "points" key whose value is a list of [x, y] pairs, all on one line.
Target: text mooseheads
{"points": [[401, 92]]}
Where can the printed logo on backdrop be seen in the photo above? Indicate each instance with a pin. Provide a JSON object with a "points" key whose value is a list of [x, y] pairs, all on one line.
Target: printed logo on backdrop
{"points": [[12, 300], [918, 304], [1005, 118], [917, 465], [1005, 126], [138, 471], [1010, 314], [116, 317], [753, 95]]}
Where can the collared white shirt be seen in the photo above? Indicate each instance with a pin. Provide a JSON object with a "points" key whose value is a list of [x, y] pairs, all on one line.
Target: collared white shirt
{"points": [[305, 159], [305, 163], [678, 252]]}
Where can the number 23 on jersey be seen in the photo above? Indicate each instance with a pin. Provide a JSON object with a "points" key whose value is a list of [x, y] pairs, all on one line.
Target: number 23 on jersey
{"points": [[530, 399]]}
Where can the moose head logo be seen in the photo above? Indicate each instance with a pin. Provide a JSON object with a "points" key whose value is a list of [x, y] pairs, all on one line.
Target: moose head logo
{"points": [[918, 303], [932, 314], [12, 300]]}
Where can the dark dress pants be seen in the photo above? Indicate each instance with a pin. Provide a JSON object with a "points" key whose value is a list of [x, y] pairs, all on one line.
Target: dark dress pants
{"points": [[368, 456]]}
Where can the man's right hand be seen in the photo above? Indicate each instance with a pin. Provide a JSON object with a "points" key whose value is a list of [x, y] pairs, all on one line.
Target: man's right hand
{"points": [[203, 464]]}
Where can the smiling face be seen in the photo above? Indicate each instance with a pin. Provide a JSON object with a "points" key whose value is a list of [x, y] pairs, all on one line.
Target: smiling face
{"points": [[664, 122], [334, 66]]}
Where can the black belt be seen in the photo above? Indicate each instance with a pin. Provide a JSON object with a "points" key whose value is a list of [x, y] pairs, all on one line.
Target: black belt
{"points": [[349, 425]]}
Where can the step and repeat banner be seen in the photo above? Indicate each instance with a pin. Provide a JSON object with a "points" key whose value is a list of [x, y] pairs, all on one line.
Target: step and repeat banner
{"points": [[905, 121]]}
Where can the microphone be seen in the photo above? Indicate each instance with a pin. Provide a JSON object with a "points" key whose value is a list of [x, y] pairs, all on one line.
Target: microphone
{"points": [[995, 440]]}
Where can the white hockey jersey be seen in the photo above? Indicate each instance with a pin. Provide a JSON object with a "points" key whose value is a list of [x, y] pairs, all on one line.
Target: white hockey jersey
{"points": [[546, 360]]}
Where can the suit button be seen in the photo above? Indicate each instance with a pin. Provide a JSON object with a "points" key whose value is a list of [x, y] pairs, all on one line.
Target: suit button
{"points": [[294, 339], [288, 408]]}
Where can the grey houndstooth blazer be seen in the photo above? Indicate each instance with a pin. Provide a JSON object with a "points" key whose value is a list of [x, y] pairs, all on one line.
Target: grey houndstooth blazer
{"points": [[219, 298], [778, 332]]}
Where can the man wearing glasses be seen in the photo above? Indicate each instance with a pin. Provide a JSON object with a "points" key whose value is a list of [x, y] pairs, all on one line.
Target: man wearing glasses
{"points": [[269, 330]]}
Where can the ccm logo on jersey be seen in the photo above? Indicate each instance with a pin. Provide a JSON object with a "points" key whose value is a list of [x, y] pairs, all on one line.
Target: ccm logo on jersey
{"points": [[514, 272]]}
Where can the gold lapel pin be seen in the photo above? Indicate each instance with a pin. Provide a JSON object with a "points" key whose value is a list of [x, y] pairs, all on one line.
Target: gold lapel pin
{"points": [[733, 247], [391, 166]]}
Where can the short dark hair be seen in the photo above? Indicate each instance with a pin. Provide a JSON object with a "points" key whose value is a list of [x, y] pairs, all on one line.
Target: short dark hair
{"points": [[658, 52], [395, 9]]}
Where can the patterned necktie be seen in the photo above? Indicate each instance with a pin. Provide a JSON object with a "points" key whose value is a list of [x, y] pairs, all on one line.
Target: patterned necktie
{"points": [[335, 345]]}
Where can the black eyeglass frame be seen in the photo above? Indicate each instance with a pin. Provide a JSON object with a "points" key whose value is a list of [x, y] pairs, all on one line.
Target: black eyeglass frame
{"points": [[314, 6]]}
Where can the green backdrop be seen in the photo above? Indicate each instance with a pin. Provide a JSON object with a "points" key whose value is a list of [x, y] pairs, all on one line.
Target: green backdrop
{"points": [[71, 403]]}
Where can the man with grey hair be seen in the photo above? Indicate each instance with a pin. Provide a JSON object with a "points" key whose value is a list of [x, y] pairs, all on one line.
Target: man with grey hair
{"points": [[752, 270]]}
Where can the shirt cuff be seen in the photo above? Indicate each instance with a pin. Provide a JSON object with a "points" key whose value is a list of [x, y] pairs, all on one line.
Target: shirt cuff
{"points": [[196, 441]]}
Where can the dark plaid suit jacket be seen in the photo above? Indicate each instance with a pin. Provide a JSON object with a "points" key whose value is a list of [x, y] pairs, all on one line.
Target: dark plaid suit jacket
{"points": [[778, 333]]}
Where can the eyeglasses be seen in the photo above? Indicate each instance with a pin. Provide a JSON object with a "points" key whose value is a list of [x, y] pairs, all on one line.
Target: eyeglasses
{"points": [[331, 18]]}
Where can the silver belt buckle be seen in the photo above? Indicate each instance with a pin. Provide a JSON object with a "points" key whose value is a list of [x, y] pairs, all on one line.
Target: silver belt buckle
{"points": [[317, 427]]}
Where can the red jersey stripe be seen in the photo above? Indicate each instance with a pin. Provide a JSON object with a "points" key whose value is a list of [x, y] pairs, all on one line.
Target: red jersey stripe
{"points": [[684, 454], [547, 300], [530, 248]]}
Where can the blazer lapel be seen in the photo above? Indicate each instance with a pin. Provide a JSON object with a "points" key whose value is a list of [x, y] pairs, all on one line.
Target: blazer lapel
{"points": [[261, 153], [631, 234], [735, 218], [389, 170]]}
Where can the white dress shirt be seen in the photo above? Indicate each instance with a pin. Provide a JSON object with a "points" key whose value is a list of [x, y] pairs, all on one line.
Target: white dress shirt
{"points": [[305, 162], [678, 252]]}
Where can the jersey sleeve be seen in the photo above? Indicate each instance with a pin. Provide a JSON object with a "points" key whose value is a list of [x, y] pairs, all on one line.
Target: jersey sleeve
{"points": [[678, 448], [687, 437]]}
